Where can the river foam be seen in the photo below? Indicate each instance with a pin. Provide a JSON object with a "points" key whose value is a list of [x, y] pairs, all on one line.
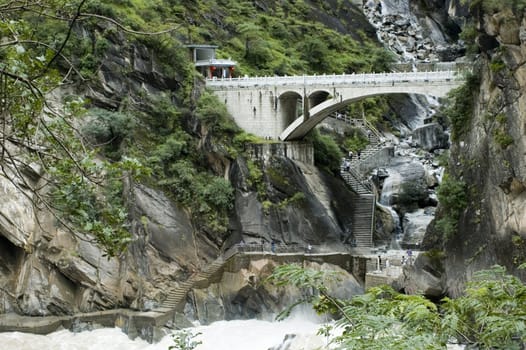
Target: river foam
{"points": [[222, 335]]}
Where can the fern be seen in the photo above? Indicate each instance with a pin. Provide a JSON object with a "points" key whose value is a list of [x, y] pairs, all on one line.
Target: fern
{"points": [[491, 315]]}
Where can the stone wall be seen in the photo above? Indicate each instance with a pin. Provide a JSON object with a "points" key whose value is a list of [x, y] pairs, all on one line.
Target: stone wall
{"points": [[380, 159], [297, 151]]}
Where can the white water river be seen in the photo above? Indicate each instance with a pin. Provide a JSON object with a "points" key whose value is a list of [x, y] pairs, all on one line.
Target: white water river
{"points": [[222, 335]]}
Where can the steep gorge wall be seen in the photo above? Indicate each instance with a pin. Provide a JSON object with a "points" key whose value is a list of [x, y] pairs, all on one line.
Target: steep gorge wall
{"points": [[490, 156], [48, 270]]}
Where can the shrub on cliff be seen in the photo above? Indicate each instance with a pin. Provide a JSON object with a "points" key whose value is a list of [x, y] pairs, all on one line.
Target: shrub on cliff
{"points": [[490, 315], [452, 196], [327, 154], [458, 107]]}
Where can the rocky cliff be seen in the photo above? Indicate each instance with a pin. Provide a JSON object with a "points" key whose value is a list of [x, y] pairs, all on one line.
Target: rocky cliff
{"points": [[46, 269], [487, 155]]}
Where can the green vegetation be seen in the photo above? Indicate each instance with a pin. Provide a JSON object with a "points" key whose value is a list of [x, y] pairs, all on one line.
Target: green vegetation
{"points": [[372, 108], [184, 340], [452, 195], [177, 133], [490, 314], [265, 40], [458, 107], [81, 190], [255, 179], [503, 139], [501, 136], [354, 140], [469, 36], [492, 6], [497, 65], [327, 154], [108, 130]]}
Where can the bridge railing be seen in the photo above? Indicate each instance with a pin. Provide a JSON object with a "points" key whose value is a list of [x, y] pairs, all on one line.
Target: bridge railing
{"points": [[282, 248], [355, 122], [343, 79], [430, 66]]}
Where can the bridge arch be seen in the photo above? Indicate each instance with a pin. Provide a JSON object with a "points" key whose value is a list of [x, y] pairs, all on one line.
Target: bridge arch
{"points": [[291, 106], [301, 126], [317, 97]]}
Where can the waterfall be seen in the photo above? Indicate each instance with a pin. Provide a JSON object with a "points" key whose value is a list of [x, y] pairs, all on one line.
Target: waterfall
{"points": [[398, 230], [398, 233], [390, 187]]}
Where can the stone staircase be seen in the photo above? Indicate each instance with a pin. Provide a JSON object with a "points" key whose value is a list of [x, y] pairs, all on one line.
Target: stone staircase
{"points": [[356, 181], [199, 279], [364, 196], [362, 217]]}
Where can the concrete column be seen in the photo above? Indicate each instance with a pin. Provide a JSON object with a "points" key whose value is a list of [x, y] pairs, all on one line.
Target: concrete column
{"points": [[306, 113]]}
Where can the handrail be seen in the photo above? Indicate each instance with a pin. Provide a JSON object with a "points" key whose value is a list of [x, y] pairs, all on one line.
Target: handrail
{"points": [[357, 121], [373, 129], [363, 181], [277, 248], [340, 79]]}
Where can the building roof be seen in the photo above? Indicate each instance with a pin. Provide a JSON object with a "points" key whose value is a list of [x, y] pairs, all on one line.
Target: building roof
{"points": [[201, 46], [215, 62]]}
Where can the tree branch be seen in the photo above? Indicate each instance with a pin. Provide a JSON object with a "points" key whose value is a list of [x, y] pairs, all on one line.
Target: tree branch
{"points": [[88, 15], [66, 39]]}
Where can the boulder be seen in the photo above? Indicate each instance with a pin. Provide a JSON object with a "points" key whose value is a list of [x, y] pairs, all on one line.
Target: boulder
{"points": [[425, 277], [415, 225], [430, 137]]}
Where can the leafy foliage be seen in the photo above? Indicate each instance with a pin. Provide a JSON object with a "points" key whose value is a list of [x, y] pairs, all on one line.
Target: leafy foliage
{"points": [[83, 192], [458, 107], [501, 135], [452, 195], [354, 140], [107, 129], [281, 39], [184, 340], [327, 154], [490, 315]]}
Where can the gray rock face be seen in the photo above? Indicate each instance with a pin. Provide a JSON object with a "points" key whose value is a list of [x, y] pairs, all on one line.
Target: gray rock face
{"points": [[60, 272], [17, 218], [431, 137], [315, 216], [418, 280], [241, 293], [169, 230], [413, 34], [494, 171]]}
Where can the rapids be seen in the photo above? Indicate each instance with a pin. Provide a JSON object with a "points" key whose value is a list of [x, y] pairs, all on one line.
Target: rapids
{"points": [[295, 333]]}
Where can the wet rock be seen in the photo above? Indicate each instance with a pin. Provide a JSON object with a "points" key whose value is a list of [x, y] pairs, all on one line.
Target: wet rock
{"points": [[430, 137], [415, 225], [423, 277]]}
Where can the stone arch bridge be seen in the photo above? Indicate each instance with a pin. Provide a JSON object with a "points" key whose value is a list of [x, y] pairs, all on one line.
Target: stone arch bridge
{"points": [[288, 107]]}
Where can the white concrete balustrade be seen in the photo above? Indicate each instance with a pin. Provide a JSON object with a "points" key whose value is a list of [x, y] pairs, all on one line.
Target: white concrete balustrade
{"points": [[333, 80]]}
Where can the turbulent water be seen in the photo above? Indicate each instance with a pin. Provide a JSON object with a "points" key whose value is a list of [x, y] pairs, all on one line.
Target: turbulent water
{"points": [[223, 335], [296, 333]]}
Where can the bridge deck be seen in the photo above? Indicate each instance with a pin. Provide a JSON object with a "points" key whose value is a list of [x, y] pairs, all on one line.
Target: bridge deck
{"points": [[334, 80]]}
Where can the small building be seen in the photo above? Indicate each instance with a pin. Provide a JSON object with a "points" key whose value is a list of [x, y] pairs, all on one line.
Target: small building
{"points": [[204, 57]]}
